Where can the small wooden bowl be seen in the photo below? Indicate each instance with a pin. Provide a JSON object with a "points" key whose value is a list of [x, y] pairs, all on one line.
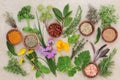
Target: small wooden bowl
{"points": [[15, 36], [91, 26], [35, 38], [115, 37], [54, 31], [91, 76]]}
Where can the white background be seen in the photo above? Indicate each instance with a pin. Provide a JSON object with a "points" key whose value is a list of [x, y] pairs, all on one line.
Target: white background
{"points": [[13, 6]]}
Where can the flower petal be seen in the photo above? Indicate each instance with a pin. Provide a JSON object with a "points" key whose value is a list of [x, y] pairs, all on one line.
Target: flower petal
{"points": [[21, 61], [30, 51], [22, 51]]}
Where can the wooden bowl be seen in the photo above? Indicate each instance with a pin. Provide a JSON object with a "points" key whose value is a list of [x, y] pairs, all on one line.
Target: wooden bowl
{"points": [[55, 30], [17, 36], [92, 26], [32, 41], [110, 35], [91, 66]]}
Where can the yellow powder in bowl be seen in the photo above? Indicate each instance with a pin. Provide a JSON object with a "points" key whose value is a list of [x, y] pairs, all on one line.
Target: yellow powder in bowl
{"points": [[14, 36]]}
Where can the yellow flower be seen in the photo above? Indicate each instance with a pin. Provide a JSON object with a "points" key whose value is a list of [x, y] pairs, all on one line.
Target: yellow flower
{"points": [[22, 51], [33, 59], [21, 61], [61, 45], [33, 67], [30, 51]]}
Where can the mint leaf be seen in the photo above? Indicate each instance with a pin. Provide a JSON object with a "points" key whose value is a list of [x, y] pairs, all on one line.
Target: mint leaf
{"points": [[66, 10], [38, 73], [64, 63], [83, 59], [67, 21], [58, 14]]}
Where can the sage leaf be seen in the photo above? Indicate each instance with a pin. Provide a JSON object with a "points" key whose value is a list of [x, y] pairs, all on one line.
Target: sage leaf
{"points": [[11, 48], [83, 59], [38, 73], [58, 14], [66, 10], [104, 52], [67, 21], [98, 35]]}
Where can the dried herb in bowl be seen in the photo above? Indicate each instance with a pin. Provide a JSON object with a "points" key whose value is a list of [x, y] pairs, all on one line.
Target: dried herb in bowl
{"points": [[31, 41], [54, 30]]}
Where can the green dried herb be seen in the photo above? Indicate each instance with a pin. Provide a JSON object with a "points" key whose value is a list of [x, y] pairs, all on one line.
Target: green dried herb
{"points": [[73, 39], [74, 23], [14, 67], [78, 47], [106, 64], [107, 16], [92, 15]]}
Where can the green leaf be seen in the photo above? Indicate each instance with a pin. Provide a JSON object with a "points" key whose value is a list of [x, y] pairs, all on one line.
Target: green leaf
{"points": [[83, 59], [11, 48], [38, 73], [35, 30], [67, 21], [66, 10], [58, 14], [27, 29], [73, 39], [98, 35], [51, 65], [68, 14], [64, 63], [72, 72], [43, 68]]}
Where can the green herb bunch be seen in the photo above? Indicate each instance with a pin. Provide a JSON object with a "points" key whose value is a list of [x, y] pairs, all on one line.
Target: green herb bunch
{"points": [[107, 15], [72, 27], [45, 13], [63, 17], [14, 67], [106, 64]]}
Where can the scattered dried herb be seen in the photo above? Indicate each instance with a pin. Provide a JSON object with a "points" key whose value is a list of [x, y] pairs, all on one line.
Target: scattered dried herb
{"points": [[14, 67], [92, 15], [98, 35], [106, 64], [72, 27], [79, 45], [107, 16]]}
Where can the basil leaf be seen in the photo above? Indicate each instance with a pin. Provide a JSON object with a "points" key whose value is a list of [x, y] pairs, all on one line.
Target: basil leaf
{"points": [[83, 59], [58, 14], [98, 35], [11, 48], [38, 73], [66, 10], [64, 63], [67, 21]]}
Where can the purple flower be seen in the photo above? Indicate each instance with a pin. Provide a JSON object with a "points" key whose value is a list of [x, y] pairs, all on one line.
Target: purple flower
{"points": [[47, 52], [51, 42]]}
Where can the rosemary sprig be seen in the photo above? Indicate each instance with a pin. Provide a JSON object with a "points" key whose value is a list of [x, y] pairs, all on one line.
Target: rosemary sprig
{"points": [[106, 64], [77, 47]]}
